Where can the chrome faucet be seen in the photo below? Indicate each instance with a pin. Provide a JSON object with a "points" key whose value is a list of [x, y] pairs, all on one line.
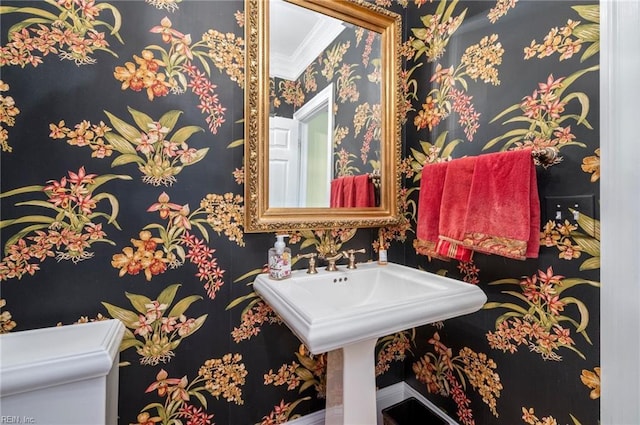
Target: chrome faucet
{"points": [[351, 255], [331, 267]]}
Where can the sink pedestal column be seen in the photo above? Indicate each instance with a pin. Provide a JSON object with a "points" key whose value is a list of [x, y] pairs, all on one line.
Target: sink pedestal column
{"points": [[351, 385]]}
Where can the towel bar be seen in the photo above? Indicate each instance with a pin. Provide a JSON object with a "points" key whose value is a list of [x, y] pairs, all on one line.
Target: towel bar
{"points": [[545, 156]]}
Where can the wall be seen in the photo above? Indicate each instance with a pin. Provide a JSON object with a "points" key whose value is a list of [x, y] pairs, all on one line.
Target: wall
{"points": [[142, 220], [122, 185], [489, 77]]}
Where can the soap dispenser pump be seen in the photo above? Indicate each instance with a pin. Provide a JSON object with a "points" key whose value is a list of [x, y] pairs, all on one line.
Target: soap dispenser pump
{"points": [[280, 259]]}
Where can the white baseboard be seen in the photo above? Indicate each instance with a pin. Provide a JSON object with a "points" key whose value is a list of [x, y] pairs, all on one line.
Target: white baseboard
{"points": [[385, 397]]}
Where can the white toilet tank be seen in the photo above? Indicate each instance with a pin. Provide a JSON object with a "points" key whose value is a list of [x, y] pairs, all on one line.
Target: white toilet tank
{"points": [[66, 375]]}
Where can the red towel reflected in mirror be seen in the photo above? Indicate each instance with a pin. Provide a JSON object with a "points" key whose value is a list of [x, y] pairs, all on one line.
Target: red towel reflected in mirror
{"points": [[352, 192]]}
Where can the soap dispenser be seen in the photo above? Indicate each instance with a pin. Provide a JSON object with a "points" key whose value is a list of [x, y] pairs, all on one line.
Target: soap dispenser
{"points": [[280, 259]]}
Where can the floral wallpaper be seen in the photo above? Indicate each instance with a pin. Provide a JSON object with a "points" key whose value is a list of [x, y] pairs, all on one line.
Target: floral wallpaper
{"points": [[122, 197]]}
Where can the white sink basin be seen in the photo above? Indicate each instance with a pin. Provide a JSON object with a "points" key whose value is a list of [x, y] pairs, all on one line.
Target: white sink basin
{"points": [[329, 310], [345, 312]]}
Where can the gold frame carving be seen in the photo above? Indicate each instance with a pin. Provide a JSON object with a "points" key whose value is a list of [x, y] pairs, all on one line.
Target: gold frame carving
{"points": [[258, 216]]}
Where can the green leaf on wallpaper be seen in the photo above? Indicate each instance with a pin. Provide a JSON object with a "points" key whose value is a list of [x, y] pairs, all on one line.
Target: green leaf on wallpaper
{"points": [[113, 201], [448, 150], [22, 233], [589, 225], [122, 145], [29, 11], [575, 421], [139, 302], [588, 244], [168, 294], [573, 77], [126, 158], [590, 51], [125, 129], [573, 281], [253, 272], [511, 306], [100, 180], [27, 219], [169, 119], [197, 324], [592, 263], [584, 312], [449, 11], [21, 190], [508, 281], [201, 398], [184, 133], [307, 243], [587, 32], [182, 305], [205, 63], [117, 18], [37, 203], [506, 316], [163, 53], [129, 318], [305, 361], [203, 230], [27, 23], [141, 119], [305, 385], [198, 156], [520, 132], [129, 343], [584, 102], [590, 12], [236, 143]]}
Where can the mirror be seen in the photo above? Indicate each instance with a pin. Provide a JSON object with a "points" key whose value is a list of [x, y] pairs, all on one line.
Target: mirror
{"points": [[322, 133]]}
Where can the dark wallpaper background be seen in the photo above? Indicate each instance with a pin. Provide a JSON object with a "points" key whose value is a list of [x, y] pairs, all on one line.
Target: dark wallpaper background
{"points": [[209, 351]]}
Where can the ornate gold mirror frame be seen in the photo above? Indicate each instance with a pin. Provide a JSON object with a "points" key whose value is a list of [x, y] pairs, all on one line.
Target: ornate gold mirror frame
{"points": [[258, 216]]}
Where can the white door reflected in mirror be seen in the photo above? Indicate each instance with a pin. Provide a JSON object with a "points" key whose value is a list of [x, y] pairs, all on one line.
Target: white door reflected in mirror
{"points": [[300, 155]]}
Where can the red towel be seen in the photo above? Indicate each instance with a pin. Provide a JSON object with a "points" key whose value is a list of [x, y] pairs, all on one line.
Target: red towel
{"points": [[503, 212], [453, 209], [431, 186], [337, 195], [364, 196], [349, 191]]}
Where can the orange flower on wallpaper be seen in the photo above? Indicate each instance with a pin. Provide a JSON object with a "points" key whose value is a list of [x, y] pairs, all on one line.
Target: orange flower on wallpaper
{"points": [[154, 328], [176, 70], [216, 377], [67, 228], [448, 375], [569, 39], [592, 380], [543, 120], [176, 243], [591, 164], [6, 321], [538, 314], [432, 39], [8, 112], [479, 61], [69, 29], [159, 154]]}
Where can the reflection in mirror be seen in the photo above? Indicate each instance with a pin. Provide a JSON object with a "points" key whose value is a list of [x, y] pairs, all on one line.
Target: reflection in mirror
{"points": [[303, 42], [321, 114]]}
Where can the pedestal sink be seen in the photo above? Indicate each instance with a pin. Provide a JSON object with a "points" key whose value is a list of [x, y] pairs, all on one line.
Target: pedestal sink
{"points": [[344, 313]]}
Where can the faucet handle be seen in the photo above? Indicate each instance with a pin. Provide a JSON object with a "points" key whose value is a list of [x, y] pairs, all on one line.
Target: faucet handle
{"points": [[332, 261], [351, 255], [312, 262]]}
